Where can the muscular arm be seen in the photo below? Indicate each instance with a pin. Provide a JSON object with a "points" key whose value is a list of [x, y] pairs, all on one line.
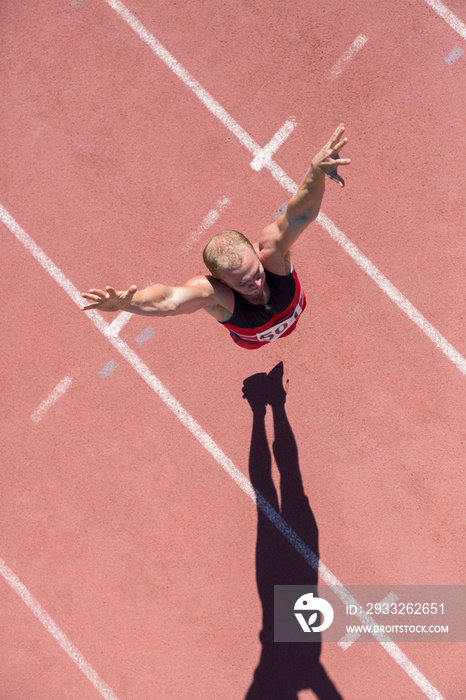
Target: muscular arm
{"points": [[304, 206], [158, 300]]}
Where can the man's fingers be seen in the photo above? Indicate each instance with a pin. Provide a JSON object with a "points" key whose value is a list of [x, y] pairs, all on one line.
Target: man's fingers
{"points": [[92, 297], [130, 292], [88, 307], [341, 161], [336, 135], [337, 178], [340, 145]]}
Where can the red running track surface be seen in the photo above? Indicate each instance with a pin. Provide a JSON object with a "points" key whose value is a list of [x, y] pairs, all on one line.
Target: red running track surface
{"points": [[121, 525]]}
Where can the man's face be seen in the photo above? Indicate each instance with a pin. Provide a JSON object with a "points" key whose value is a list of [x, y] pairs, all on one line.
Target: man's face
{"points": [[248, 279]]}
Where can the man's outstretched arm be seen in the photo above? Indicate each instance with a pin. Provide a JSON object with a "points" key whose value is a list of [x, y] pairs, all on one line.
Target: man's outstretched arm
{"points": [[158, 300], [304, 206]]}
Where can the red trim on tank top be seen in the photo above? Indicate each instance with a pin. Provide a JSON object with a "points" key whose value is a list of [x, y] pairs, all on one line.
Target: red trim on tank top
{"points": [[275, 319]]}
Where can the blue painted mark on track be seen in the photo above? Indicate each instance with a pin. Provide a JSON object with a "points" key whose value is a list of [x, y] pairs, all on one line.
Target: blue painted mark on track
{"points": [[108, 369], [145, 335], [453, 55]]}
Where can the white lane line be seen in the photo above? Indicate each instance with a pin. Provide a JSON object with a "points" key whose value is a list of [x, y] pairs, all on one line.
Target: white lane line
{"points": [[351, 637], [265, 154], [214, 450], [119, 322], [206, 98], [208, 221], [67, 646], [395, 295], [446, 14], [59, 390], [341, 64], [171, 62], [287, 183]]}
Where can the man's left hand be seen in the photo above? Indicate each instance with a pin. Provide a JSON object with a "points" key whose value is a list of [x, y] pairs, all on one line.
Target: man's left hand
{"points": [[328, 159]]}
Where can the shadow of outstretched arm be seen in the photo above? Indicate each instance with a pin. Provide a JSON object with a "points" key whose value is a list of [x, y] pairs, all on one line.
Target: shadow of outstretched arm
{"points": [[284, 668]]}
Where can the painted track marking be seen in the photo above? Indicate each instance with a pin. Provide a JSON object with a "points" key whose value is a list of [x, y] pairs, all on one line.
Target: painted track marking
{"points": [[208, 221], [206, 98], [456, 24], [265, 154], [342, 62], [108, 369], [287, 183], [395, 295], [351, 637], [446, 14], [67, 646], [454, 55], [220, 457], [121, 319], [119, 322], [59, 390], [145, 335]]}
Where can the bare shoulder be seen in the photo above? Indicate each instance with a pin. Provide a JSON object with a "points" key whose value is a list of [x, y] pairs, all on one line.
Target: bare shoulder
{"points": [[273, 259], [219, 297], [202, 283]]}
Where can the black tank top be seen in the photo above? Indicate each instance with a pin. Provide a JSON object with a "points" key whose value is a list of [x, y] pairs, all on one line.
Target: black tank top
{"points": [[254, 325]]}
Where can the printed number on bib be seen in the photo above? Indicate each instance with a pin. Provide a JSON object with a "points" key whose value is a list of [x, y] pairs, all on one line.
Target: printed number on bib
{"points": [[273, 333]]}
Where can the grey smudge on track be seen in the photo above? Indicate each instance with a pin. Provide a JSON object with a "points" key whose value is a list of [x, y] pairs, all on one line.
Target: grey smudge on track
{"points": [[108, 369], [453, 55], [145, 335]]}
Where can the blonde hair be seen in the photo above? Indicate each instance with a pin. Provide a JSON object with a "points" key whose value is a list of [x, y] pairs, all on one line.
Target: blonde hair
{"points": [[225, 251]]}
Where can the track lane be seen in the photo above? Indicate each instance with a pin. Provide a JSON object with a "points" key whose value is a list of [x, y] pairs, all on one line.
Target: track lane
{"points": [[178, 335]]}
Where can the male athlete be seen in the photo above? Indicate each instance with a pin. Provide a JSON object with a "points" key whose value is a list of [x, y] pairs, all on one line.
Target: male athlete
{"points": [[252, 290]]}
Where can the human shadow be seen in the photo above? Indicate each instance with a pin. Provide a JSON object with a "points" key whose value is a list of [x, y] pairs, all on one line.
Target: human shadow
{"points": [[285, 668]]}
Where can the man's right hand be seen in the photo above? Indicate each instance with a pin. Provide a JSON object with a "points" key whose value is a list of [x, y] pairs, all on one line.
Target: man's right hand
{"points": [[108, 300]]}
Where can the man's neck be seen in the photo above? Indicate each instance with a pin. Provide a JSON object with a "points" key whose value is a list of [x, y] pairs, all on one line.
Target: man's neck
{"points": [[262, 300]]}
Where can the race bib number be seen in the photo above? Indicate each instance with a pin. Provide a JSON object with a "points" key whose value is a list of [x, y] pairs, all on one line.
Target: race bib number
{"points": [[275, 332]]}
